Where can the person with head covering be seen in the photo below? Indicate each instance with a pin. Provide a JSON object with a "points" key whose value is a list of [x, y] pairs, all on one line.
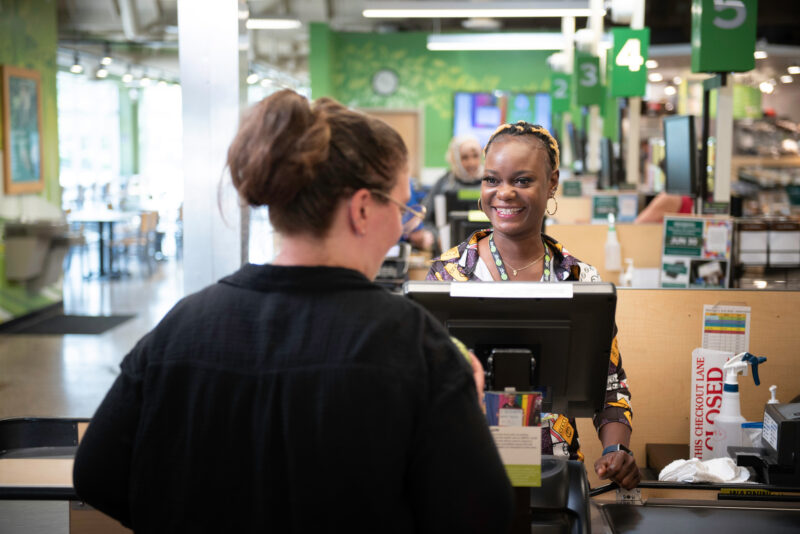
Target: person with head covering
{"points": [[299, 396], [520, 180], [466, 170]]}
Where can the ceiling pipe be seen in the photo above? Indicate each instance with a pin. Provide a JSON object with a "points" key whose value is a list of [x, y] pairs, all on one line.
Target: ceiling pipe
{"points": [[131, 26]]}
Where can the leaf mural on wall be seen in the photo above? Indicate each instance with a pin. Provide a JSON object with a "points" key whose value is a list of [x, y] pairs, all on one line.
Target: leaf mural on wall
{"points": [[424, 81], [427, 80]]}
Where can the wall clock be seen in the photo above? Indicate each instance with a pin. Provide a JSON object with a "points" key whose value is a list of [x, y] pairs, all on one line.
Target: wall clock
{"points": [[385, 82]]}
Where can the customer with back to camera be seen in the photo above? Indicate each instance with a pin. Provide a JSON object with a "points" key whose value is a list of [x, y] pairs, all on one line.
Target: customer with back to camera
{"points": [[520, 177], [299, 396]]}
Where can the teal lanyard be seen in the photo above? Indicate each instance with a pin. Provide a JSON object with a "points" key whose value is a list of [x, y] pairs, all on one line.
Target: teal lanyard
{"points": [[501, 267]]}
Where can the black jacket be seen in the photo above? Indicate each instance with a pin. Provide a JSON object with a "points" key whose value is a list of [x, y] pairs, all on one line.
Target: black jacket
{"points": [[290, 399]]}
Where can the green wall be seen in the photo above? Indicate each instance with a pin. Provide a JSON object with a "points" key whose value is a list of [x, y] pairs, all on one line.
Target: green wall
{"points": [[29, 39], [342, 65]]}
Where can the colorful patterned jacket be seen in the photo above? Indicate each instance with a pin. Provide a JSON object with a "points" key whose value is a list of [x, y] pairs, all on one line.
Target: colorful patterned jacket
{"points": [[559, 433]]}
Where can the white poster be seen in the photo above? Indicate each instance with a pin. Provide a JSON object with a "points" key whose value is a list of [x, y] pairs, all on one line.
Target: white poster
{"points": [[706, 399], [726, 328]]}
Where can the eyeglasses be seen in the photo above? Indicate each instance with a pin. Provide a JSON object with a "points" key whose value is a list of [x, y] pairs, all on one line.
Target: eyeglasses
{"points": [[412, 215]]}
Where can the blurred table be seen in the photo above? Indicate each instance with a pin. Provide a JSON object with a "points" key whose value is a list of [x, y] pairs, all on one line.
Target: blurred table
{"points": [[103, 219]]}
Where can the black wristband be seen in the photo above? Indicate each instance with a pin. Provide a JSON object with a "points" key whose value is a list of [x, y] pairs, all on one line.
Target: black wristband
{"points": [[617, 447]]}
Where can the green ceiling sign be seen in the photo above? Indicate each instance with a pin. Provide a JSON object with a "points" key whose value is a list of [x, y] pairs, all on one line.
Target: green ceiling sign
{"points": [[560, 95], [589, 89], [627, 61], [723, 35]]}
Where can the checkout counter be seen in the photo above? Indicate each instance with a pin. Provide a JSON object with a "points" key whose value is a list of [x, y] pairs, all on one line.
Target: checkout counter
{"points": [[656, 348]]}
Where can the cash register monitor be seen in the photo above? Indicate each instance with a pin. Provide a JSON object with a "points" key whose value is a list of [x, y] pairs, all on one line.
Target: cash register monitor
{"points": [[462, 199], [680, 155], [566, 327]]}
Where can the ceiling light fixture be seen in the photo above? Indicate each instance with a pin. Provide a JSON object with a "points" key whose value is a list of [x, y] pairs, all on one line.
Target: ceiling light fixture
{"points": [[655, 77], [442, 10], [670, 90], [786, 79], [252, 78], [76, 67], [794, 69], [651, 64], [101, 73], [127, 77], [496, 41], [106, 60], [760, 54], [766, 87], [273, 23]]}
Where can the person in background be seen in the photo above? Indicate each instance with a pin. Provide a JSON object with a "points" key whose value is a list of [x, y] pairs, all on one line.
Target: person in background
{"points": [[662, 204], [520, 178], [421, 237], [466, 168], [299, 396]]}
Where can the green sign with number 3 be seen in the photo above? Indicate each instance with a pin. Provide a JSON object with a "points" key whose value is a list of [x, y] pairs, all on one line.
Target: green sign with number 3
{"points": [[589, 89], [627, 61], [723, 35]]}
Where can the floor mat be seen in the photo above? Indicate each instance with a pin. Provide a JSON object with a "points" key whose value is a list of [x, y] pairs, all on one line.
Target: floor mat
{"points": [[69, 324]]}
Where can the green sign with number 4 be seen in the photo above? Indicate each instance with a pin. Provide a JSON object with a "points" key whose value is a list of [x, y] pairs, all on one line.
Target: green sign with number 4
{"points": [[589, 89], [723, 35], [628, 71]]}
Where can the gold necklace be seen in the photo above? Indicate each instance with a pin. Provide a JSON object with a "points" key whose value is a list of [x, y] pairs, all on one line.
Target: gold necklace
{"points": [[534, 262]]}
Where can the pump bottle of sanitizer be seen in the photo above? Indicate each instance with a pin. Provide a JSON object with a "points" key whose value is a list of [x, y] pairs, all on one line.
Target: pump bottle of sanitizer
{"points": [[612, 249], [728, 424]]}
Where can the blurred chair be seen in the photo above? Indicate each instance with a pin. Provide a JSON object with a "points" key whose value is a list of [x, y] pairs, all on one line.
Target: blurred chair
{"points": [[80, 239], [140, 244]]}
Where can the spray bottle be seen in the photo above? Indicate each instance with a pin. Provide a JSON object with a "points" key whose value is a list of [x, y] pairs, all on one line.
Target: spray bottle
{"points": [[613, 253], [728, 424]]}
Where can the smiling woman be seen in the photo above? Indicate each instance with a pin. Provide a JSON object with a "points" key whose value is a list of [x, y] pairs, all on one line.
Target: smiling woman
{"points": [[520, 177]]}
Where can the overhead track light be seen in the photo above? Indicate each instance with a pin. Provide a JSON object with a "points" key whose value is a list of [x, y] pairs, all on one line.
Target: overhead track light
{"points": [[394, 10], [106, 60], [496, 41], [273, 23], [76, 67]]}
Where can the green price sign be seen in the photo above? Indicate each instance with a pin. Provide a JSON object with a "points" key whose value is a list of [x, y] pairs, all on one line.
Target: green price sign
{"points": [[602, 205], [683, 237], [560, 91], [628, 72], [589, 89], [723, 35]]}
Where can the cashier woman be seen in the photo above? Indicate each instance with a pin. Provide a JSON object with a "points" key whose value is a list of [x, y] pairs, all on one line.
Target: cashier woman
{"points": [[518, 186], [299, 396]]}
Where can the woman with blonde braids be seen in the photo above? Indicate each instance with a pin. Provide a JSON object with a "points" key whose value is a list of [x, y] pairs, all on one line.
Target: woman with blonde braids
{"points": [[520, 179]]}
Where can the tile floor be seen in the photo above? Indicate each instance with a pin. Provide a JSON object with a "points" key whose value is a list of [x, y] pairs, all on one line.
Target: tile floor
{"points": [[68, 376]]}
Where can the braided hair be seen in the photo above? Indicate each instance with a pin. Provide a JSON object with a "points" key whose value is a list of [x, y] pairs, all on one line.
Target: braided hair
{"points": [[522, 128]]}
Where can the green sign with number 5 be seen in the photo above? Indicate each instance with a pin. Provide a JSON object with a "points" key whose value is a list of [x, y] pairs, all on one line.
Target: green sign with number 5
{"points": [[723, 35], [628, 71], [589, 88]]}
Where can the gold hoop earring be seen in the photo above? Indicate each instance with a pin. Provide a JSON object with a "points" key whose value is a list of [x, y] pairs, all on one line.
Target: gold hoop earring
{"points": [[479, 204], [547, 208]]}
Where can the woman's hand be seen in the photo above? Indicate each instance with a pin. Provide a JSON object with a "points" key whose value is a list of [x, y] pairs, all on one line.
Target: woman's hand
{"points": [[477, 374], [620, 467]]}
